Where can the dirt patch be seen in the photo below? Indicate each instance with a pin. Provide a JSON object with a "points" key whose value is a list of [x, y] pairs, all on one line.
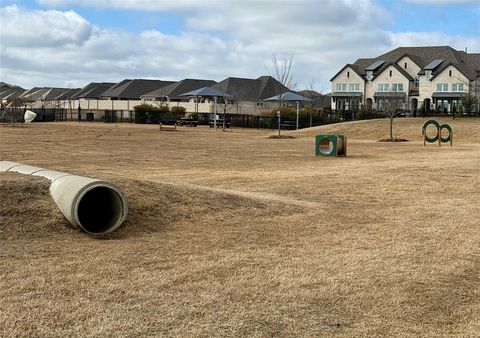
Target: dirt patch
{"points": [[395, 139], [280, 137]]}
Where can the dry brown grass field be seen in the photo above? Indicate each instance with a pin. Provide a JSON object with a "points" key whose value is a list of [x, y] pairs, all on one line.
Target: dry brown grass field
{"points": [[236, 234]]}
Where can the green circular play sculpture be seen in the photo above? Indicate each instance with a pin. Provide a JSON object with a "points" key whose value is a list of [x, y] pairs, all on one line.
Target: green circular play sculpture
{"points": [[438, 136]]}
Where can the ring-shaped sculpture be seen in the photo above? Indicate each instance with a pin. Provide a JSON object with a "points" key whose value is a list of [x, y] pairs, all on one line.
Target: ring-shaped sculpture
{"points": [[438, 136], [424, 131], [445, 139]]}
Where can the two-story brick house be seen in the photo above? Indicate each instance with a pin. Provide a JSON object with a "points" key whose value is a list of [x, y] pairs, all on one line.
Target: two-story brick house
{"points": [[437, 77]]}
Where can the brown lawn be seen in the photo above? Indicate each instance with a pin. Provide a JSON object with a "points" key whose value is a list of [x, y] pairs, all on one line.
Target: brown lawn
{"points": [[236, 234]]}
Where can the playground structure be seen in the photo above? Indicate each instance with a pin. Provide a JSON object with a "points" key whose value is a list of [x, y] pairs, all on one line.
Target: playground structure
{"points": [[438, 136], [94, 206], [331, 145]]}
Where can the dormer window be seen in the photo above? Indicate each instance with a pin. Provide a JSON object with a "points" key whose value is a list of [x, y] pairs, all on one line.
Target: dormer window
{"points": [[348, 74], [450, 73], [390, 73], [432, 66], [405, 65], [370, 69]]}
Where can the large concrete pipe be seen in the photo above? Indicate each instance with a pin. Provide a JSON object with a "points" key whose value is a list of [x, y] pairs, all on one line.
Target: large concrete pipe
{"points": [[97, 207]]}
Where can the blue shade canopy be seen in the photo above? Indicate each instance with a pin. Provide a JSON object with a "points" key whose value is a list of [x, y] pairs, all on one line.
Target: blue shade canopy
{"points": [[288, 96], [206, 91]]}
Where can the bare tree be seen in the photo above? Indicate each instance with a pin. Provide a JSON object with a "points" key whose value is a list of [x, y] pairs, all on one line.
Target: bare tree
{"points": [[392, 105], [282, 72]]}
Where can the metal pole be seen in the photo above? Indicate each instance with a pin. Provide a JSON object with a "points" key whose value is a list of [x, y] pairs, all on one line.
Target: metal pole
{"points": [[215, 115], [278, 114], [298, 104]]}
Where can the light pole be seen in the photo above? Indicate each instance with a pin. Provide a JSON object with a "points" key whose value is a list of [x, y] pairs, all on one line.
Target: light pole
{"points": [[298, 107], [215, 114], [278, 115]]}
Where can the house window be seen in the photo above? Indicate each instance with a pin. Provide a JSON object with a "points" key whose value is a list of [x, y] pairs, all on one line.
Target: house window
{"points": [[405, 65], [354, 87], [383, 87], [442, 106], [390, 73], [397, 87], [450, 72], [417, 82], [428, 74], [457, 87], [442, 87], [369, 75], [348, 74], [341, 87]]}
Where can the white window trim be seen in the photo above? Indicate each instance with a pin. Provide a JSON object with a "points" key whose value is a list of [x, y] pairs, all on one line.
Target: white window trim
{"points": [[442, 87]]}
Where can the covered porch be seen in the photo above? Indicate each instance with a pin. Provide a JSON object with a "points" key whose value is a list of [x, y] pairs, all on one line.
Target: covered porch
{"points": [[447, 102], [347, 101]]}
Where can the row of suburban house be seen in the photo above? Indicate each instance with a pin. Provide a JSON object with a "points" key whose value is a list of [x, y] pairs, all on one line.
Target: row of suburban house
{"points": [[246, 96], [428, 78], [435, 78]]}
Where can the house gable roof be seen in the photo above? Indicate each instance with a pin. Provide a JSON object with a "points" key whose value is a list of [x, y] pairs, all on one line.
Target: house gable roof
{"points": [[443, 67], [10, 91], [177, 88], [36, 93], [394, 65], [133, 89], [93, 90], [468, 64], [251, 89], [67, 94], [353, 67]]}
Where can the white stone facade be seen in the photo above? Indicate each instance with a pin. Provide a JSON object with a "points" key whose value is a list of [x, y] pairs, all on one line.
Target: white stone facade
{"points": [[435, 82]]}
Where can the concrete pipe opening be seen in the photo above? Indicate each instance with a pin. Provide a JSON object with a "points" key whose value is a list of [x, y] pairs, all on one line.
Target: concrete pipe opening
{"points": [[325, 146], [100, 210]]}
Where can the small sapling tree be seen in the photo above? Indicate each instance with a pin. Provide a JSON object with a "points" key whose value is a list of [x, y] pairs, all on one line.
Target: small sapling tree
{"points": [[393, 105]]}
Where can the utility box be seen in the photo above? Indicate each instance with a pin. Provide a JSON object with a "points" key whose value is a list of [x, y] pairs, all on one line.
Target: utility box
{"points": [[331, 145]]}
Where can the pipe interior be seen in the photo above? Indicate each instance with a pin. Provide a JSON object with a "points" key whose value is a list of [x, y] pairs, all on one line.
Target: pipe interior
{"points": [[100, 209], [325, 146]]}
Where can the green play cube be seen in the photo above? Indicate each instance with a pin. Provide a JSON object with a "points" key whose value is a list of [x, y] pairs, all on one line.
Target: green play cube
{"points": [[330, 145]]}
